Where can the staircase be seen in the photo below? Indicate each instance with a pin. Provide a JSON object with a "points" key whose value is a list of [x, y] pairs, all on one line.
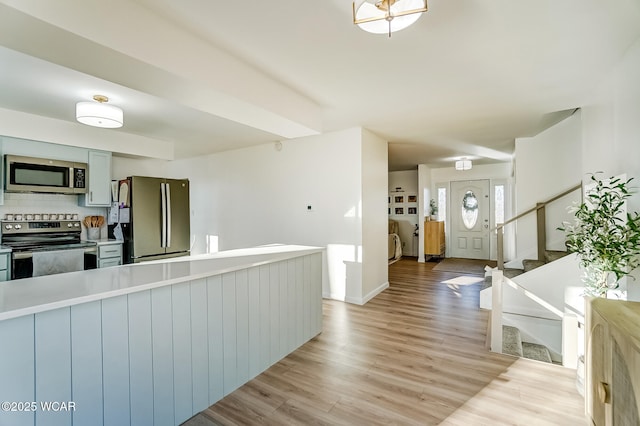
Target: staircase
{"points": [[549, 256], [531, 301], [543, 304], [512, 344], [528, 265]]}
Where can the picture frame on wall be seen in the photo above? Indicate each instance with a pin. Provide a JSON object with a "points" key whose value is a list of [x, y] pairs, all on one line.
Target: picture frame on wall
{"points": [[412, 210], [412, 198], [399, 199], [399, 210]]}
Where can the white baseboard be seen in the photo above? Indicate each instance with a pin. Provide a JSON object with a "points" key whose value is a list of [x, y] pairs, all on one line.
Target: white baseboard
{"points": [[373, 293], [357, 300]]}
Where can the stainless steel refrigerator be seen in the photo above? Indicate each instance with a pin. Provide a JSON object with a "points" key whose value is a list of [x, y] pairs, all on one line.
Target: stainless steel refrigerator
{"points": [[158, 225]]}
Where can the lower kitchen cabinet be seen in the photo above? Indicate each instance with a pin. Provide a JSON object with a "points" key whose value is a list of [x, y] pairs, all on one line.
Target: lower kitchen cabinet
{"points": [[109, 253]]}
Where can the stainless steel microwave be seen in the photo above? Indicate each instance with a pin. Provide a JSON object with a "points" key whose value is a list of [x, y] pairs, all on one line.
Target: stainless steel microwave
{"points": [[30, 174]]}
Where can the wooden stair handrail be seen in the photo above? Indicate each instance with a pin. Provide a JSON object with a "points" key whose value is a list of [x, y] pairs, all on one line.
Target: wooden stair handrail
{"points": [[539, 206]]}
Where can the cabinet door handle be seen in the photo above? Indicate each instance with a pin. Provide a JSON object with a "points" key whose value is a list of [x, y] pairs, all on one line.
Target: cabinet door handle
{"points": [[90, 195], [603, 393]]}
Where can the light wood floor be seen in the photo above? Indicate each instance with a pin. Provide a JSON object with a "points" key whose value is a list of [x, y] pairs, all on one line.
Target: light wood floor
{"points": [[415, 354]]}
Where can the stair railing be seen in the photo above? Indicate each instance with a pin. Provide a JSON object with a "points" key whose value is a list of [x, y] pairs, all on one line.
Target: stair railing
{"points": [[540, 210], [569, 319]]}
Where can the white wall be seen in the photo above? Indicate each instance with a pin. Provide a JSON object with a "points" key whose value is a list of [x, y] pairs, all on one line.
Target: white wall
{"points": [[408, 182], [611, 131], [611, 126], [122, 167], [375, 164], [546, 165], [602, 137], [259, 195]]}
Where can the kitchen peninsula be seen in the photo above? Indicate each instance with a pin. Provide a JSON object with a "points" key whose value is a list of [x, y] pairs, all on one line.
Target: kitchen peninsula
{"points": [[153, 343]]}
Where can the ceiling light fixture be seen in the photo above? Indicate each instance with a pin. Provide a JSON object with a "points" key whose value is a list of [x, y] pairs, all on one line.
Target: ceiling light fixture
{"points": [[463, 164], [387, 16], [99, 114]]}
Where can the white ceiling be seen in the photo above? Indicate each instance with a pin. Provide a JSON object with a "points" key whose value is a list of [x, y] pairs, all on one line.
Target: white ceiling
{"points": [[466, 80]]}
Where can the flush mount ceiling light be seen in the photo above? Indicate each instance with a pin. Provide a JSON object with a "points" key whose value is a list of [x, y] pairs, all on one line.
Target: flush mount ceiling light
{"points": [[387, 16], [463, 164], [99, 114]]}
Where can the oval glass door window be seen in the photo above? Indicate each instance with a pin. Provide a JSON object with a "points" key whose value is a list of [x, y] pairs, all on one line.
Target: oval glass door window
{"points": [[469, 209]]}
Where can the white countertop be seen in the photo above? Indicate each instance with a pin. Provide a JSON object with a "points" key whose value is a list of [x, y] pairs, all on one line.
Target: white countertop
{"points": [[32, 295]]}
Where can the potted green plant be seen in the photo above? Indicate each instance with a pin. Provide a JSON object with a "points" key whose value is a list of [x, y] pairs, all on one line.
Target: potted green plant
{"points": [[605, 238], [433, 209]]}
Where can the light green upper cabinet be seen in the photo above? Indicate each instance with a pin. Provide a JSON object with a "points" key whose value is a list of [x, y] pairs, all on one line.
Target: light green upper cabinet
{"points": [[38, 149], [99, 194], [99, 162]]}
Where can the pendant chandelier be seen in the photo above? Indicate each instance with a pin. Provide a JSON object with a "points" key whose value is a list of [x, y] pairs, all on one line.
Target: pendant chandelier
{"points": [[387, 16]]}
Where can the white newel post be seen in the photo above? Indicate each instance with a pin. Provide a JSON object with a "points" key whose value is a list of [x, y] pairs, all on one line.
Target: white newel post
{"points": [[496, 310], [570, 340]]}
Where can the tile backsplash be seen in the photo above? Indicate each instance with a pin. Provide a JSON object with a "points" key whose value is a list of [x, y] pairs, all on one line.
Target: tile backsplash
{"points": [[50, 203]]}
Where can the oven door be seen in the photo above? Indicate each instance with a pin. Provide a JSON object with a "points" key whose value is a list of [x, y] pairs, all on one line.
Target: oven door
{"points": [[27, 264], [21, 264]]}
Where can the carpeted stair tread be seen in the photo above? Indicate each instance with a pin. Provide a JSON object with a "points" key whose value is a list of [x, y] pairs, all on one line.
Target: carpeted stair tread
{"points": [[551, 255], [508, 272], [512, 272], [512, 344], [529, 264], [511, 341], [536, 352], [486, 283]]}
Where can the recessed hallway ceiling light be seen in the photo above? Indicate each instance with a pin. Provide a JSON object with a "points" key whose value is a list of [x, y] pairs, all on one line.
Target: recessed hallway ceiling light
{"points": [[99, 114], [463, 164]]}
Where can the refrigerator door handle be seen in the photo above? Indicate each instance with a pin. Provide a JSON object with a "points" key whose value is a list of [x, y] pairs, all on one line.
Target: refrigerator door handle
{"points": [[163, 203], [168, 223]]}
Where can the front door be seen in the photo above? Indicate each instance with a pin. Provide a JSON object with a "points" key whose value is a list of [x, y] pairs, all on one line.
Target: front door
{"points": [[469, 219]]}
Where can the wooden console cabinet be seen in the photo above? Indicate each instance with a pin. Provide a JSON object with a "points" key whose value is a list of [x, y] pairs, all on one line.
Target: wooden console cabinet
{"points": [[612, 364], [434, 238]]}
